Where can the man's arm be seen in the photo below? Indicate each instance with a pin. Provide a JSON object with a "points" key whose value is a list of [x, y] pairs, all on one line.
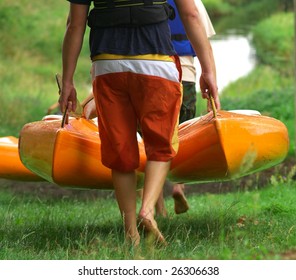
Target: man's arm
{"points": [[196, 34], [72, 44]]}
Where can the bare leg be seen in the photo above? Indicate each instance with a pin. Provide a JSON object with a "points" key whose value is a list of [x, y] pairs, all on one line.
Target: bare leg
{"points": [[181, 204], [160, 206], [155, 175], [126, 195]]}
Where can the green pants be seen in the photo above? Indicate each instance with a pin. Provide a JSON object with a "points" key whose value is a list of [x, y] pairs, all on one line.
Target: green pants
{"points": [[188, 108]]}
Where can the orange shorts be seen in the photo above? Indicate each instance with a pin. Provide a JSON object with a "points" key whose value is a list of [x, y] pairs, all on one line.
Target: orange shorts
{"points": [[131, 91]]}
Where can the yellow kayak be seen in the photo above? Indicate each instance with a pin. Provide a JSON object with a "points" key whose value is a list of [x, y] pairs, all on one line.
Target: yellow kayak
{"points": [[228, 146], [11, 166], [232, 145]]}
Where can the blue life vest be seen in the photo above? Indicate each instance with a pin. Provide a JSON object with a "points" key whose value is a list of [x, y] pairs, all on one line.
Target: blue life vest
{"points": [[179, 38]]}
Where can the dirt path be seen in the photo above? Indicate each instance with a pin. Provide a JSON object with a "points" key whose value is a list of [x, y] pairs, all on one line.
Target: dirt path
{"points": [[254, 181]]}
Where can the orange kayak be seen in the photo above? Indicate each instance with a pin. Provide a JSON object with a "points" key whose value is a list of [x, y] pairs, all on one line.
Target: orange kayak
{"points": [[68, 156], [11, 166], [229, 146]]}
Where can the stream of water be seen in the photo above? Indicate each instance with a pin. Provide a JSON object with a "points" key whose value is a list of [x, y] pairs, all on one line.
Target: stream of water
{"points": [[234, 57]]}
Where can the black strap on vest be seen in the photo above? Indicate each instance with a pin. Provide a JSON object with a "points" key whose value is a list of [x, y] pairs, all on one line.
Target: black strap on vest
{"points": [[179, 37], [148, 2], [110, 4], [128, 13]]}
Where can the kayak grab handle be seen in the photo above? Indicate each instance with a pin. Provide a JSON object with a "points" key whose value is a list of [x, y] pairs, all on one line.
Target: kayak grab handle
{"points": [[213, 106]]}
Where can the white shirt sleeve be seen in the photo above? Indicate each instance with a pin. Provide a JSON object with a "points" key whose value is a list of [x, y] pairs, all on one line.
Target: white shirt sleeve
{"points": [[210, 31]]}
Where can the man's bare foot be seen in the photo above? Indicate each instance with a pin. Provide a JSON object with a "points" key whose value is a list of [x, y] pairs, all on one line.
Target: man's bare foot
{"points": [[132, 240], [151, 230], [181, 204], [132, 248]]}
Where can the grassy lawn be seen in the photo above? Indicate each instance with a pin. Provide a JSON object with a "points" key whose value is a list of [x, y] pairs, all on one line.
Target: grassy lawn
{"points": [[254, 224]]}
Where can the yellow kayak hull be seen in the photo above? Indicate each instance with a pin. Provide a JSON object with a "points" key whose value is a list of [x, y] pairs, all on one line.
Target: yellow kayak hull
{"points": [[230, 146], [68, 156], [11, 166]]}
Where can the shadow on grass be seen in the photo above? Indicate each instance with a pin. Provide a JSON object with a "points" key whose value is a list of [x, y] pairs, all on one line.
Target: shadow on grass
{"points": [[63, 241]]}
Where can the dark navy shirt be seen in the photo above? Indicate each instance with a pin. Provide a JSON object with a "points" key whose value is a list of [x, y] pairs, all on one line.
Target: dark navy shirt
{"points": [[127, 40]]}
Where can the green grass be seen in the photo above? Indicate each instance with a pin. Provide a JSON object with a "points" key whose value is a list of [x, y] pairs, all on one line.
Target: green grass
{"points": [[273, 39], [242, 14], [254, 224]]}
